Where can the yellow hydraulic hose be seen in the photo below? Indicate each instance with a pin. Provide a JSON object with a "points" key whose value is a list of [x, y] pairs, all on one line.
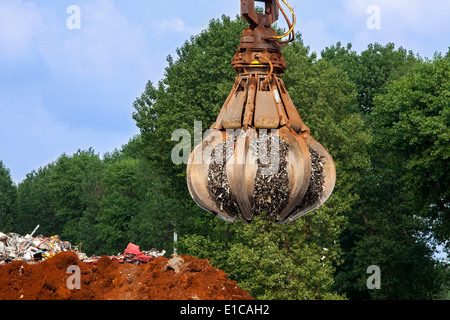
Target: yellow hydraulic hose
{"points": [[293, 17]]}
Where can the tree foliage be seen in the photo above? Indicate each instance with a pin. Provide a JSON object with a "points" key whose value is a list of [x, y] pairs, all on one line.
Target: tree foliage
{"points": [[8, 195], [413, 118], [36, 204], [372, 69], [387, 227]]}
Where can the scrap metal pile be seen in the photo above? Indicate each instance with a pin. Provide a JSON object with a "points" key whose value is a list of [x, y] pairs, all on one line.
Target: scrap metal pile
{"points": [[218, 183], [271, 189], [30, 249], [316, 186], [271, 184]]}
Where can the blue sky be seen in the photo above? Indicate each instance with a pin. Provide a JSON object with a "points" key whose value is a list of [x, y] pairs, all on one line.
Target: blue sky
{"points": [[62, 90]]}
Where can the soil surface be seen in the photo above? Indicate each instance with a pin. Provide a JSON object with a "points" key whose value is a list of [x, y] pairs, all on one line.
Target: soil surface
{"points": [[179, 278]]}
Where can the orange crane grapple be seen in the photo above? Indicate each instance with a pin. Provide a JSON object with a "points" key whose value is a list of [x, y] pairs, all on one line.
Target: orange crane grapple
{"points": [[259, 156]]}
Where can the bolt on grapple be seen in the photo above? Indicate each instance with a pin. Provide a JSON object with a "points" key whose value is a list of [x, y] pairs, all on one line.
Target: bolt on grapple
{"points": [[259, 158]]}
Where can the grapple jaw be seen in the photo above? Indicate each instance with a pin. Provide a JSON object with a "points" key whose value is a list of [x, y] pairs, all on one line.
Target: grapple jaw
{"points": [[237, 174], [259, 158]]}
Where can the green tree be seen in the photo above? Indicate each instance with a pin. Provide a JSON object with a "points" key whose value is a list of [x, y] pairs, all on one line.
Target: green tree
{"points": [[119, 203], [413, 118], [390, 227], [139, 204], [295, 261], [78, 189], [444, 269], [154, 223], [36, 203], [371, 70], [8, 196], [385, 231]]}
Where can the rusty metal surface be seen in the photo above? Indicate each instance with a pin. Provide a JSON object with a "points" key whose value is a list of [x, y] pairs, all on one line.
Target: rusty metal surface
{"points": [[197, 179], [259, 101], [251, 105], [253, 18], [241, 173], [254, 39], [295, 120], [300, 162], [330, 180], [266, 115]]}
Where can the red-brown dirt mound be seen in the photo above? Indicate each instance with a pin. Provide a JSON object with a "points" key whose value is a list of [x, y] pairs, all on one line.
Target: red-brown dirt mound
{"points": [[179, 278]]}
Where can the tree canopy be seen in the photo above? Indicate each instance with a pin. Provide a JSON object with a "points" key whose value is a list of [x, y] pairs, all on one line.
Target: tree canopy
{"points": [[8, 196]]}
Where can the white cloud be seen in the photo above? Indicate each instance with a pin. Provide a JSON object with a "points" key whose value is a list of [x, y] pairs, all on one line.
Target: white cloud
{"points": [[106, 44], [413, 15], [175, 25], [421, 26], [31, 136], [315, 34], [106, 61], [20, 23]]}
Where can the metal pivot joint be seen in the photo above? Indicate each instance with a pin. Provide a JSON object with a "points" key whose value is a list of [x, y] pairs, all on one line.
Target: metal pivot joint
{"points": [[255, 49]]}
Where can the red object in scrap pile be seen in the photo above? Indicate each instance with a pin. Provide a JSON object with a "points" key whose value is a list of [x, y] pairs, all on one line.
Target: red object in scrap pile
{"points": [[134, 255]]}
